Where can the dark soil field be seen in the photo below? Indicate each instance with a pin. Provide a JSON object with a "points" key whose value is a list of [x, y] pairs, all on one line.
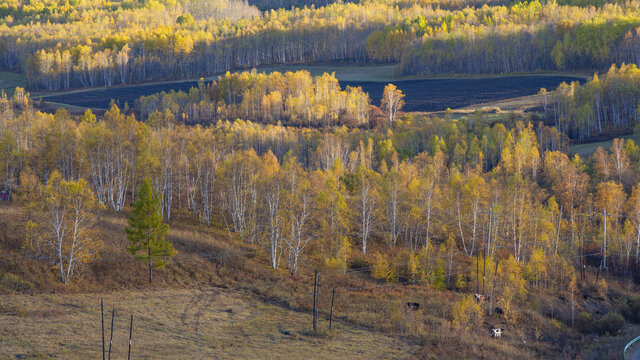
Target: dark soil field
{"points": [[440, 94], [421, 95]]}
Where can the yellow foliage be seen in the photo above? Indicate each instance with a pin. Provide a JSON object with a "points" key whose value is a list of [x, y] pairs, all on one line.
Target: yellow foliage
{"points": [[511, 271], [467, 313], [461, 282], [382, 269], [339, 262], [603, 288], [71, 207], [536, 269], [413, 266]]}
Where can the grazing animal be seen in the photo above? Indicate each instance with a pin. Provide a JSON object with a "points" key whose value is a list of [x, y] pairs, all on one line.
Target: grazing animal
{"points": [[496, 332], [413, 306], [499, 311], [486, 298], [480, 298]]}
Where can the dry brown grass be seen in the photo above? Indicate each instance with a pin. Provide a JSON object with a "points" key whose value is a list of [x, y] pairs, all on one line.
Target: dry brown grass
{"points": [[176, 324]]}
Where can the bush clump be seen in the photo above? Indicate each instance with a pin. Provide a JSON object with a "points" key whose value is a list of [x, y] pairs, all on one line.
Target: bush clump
{"points": [[585, 322], [359, 262], [611, 323], [467, 313], [13, 282], [629, 307]]}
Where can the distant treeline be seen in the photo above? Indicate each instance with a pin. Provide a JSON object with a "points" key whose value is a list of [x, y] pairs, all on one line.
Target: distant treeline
{"points": [[288, 4], [98, 44], [102, 44], [522, 38]]}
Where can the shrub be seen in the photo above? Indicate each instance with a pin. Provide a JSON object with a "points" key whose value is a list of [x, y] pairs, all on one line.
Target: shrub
{"points": [[359, 262], [437, 282], [382, 269], [585, 322], [339, 262], [337, 265], [461, 282], [629, 308], [622, 305], [413, 266], [12, 282], [611, 323], [467, 313], [602, 289]]}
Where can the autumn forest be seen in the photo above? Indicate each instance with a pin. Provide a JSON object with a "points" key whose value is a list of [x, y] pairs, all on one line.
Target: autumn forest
{"points": [[520, 215]]}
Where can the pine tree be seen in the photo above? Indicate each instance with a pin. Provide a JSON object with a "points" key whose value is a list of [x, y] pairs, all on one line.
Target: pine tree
{"points": [[146, 230]]}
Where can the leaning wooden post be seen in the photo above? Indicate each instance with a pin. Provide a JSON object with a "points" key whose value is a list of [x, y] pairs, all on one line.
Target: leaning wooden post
{"points": [[113, 312], [333, 295], [102, 320], [130, 333]]}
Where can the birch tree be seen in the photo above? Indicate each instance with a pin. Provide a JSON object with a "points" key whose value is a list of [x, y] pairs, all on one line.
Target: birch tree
{"points": [[300, 204], [367, 198], [392, 102], [270, 186], [110, 151], [239, 193], [633, 214], [427, 188], [69, 212]]}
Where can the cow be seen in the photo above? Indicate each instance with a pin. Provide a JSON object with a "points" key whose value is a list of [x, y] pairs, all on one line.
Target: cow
{"points": [[499, 311], [485, 298], [480, 298], [413, 306], [496, 333]]}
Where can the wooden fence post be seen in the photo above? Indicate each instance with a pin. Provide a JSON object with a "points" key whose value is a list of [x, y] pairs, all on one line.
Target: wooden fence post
{"points": [[130, 333], [113, 312], [102, 320], [333, 295]]}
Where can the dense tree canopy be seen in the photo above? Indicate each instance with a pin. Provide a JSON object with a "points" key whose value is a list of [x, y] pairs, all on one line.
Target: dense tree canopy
{"points": [[423, 184]]}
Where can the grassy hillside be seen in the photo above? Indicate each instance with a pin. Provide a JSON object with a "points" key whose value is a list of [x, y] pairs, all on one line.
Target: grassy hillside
{"points": [[194, 323], [219, 298]]}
